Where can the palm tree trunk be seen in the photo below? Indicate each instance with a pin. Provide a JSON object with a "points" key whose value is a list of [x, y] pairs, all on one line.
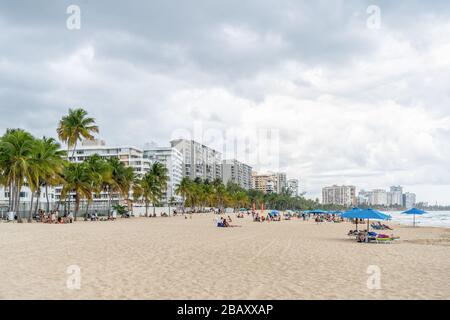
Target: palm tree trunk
{"points": [[17, 205], [109, 202], [37, 201], [30, 215], [68, 203], [146, 208], [87, 210], [48, 201], [77, 207], [10, 196], [74, 148]]}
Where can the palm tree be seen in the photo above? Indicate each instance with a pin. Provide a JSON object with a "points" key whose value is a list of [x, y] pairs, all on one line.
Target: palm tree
{"points": [[145, 189], [184, 189], [171, 202], [207, 194], [50, 157], [74, 127], [127, 182], [159, 171], [99, 174], [16, 148], [77, 180], [115, 184], [152, 186], [220, 193]]}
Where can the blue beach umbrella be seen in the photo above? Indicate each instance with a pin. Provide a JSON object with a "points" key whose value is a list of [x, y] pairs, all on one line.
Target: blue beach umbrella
{"points": [[369, 214], [318, 211], [351, 214], [414, 211]]}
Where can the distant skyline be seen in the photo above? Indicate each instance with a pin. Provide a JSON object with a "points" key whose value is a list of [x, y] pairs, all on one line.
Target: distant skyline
{"points": [[353, 100]]}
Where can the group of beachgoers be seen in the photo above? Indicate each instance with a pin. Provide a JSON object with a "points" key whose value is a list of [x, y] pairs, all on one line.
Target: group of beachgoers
{"points": [[53, 217], [328, 218], [223, 222], [262, 218], [372, 236], [360, 236]]}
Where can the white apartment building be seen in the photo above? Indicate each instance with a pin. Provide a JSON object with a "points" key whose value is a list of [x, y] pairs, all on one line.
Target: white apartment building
{"points": [[292, 185], [25, 199], [378, 197], [172, 159], [128, 155], [395, 196], [363, 197], [269, 182], [237, 172], [409, 200], [199, 161], [282, 182], [339, 195], [375, 197]]}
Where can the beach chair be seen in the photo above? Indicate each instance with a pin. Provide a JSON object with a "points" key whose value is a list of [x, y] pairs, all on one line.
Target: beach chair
{"points": [[389, 239], [384, 240]]}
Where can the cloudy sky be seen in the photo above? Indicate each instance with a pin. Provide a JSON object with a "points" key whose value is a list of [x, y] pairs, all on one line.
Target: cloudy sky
{"points": [[347, 100]]}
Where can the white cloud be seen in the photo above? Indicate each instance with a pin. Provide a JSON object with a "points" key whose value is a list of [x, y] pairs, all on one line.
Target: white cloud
{"points": [[351, 106]]}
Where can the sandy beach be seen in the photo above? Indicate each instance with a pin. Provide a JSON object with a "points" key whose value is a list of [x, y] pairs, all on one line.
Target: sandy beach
{"points": [[175, 258]]}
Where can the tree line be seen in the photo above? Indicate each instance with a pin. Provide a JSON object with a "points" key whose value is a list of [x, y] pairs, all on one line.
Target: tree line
{"points": [[40, 163]]}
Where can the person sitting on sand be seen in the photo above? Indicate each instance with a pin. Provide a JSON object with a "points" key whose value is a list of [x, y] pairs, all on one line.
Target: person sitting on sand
{"points": [[229, 219], [52, 217]]}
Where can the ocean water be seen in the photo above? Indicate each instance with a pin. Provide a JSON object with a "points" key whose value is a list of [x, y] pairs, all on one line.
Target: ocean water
{"points": [[429, 219]]}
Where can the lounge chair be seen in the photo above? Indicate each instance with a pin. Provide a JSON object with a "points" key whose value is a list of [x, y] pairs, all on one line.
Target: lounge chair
{"points": [[384, 240]]}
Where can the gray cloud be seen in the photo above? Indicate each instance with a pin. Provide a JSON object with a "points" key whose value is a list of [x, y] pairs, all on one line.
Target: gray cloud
{"points": [[352, 105]]}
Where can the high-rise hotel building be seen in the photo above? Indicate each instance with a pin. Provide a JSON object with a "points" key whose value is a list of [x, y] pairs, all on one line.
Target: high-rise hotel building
{"points": [[130, 156], [237, 172], [339, 195], [269, 182], [199, 161], [172, 159]]}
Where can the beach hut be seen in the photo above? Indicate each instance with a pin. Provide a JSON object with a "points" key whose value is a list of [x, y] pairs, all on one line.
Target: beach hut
{"points": [[414, 211]]}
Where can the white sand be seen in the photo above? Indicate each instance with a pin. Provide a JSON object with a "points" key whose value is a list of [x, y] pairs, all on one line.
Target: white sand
{"points": [[174, 258]]}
